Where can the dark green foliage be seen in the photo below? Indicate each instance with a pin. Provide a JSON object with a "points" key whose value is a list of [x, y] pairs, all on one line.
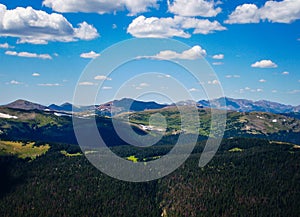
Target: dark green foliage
{"points": [[262, 180]]}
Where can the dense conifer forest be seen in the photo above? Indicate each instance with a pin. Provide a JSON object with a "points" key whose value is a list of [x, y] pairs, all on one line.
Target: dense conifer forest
{"points": [[247, 177]]}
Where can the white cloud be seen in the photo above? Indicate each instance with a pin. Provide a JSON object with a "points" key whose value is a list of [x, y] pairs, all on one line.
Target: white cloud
{"points": [[258, 90], [217, 63], [285, 11], [35, 74], [38, 27], [141, 86], [164, 76], [294, 92], [28, 55], [195, 52], [262, 81], [192, 8], [89, 55], [248, 89], [218, 56], [86, 83], [214, 82], [6, 46], [246, 13], [285, 73], [15, 82], [101, 6], [153, 27], [102, 78], [274, 91], [49, 85], [144, 84], [114, 26], [85, 31], [264, 64], [106, 88], [193, 90], [232, 76]]}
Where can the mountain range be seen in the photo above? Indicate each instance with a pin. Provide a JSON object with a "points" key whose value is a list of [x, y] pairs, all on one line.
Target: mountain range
{"points": [[23, 120], [120, 106]]}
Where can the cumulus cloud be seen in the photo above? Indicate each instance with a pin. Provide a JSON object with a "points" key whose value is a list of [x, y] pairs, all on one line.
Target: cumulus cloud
{"points": [[28, 55], [264, 64], [154, 27], [218, 56], [262, 81], [285, 11], [89, 55], [195, 52], [6, 46], [285, 73], [38, 27], [246, 13], [35, 74], [101, 6], [14, 82], [193, 8], [102, 78]]}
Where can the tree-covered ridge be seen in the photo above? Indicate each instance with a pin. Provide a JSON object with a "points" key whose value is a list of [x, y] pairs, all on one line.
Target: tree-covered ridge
{"points": [[262, 179]]}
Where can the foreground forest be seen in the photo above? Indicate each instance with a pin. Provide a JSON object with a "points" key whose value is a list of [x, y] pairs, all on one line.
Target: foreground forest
{"points": [[247, 177]]}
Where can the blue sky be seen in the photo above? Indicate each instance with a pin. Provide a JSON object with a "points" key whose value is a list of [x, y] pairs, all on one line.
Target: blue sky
{"points": [[253, 46]]}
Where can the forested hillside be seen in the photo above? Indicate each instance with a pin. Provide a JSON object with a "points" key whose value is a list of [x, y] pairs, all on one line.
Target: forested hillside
{"points": [[247, 177]]}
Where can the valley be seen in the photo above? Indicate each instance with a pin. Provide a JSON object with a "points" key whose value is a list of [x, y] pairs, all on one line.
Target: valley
{"points": [[44, 172]]}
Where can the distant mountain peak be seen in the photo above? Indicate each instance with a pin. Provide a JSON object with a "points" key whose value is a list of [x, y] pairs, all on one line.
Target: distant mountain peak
{"points": [[245, 105], [66, 104], [25, 105]]}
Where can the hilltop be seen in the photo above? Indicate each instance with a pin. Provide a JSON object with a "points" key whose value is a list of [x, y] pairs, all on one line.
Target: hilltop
{"points": [[25, 105]]}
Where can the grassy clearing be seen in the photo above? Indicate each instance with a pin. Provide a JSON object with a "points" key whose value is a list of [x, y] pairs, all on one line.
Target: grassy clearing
{"points": [[236, 150], [132, 158], [23, 150], [70, 155]]}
